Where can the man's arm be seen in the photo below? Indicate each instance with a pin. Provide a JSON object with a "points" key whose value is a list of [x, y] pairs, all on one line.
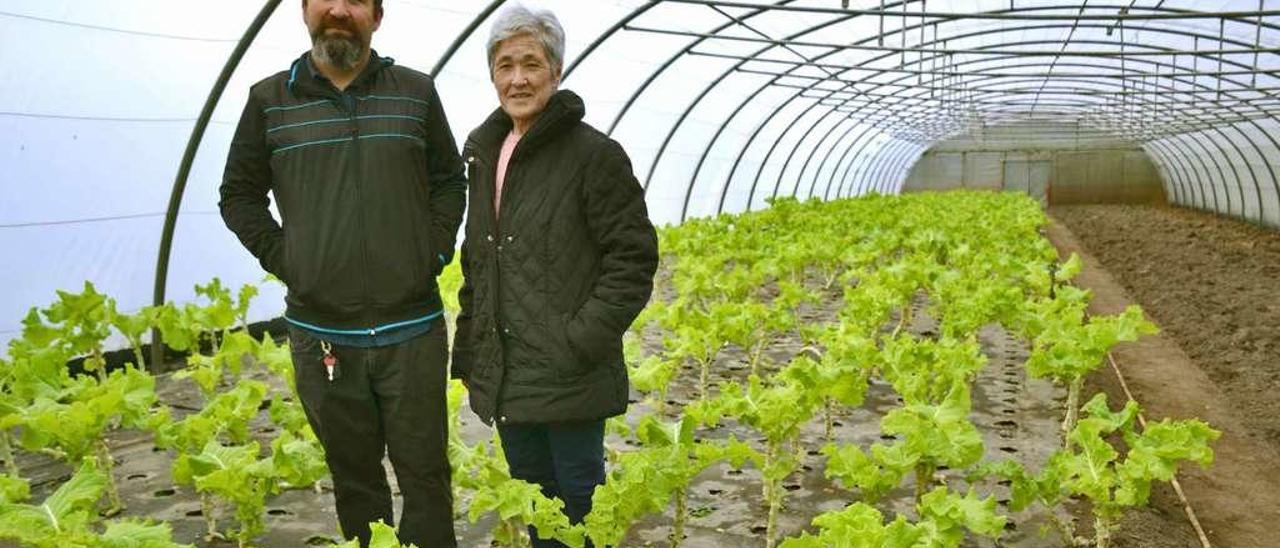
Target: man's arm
{"points": [[448, 182], [246, 182]]}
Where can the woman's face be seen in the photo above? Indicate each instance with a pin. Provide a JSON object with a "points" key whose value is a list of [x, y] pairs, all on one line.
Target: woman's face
{"points": [[524, 79]]}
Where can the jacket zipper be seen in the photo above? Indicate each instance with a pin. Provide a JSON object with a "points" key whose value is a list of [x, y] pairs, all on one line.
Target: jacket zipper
{"points": [[495, 240], [349, 104]]}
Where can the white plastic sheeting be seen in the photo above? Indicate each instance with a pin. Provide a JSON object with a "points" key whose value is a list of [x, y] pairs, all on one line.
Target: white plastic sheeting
{"points": [[721, 107]]}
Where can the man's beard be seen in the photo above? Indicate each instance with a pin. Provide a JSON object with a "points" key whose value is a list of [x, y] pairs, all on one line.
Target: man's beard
{"points": [[340, 52]]}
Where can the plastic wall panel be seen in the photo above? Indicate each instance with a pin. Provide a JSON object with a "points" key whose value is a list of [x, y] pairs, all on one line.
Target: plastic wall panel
{"points": [[1075, 176], [1245, 138], [770, 181], [729, 138], [1222, 173], [1218, 176], [822, 165], [984, 170], [1243, 160], [1236, 174], [1139, 178], [937, 171], [869, 173], [793, 182], [736, 142]]}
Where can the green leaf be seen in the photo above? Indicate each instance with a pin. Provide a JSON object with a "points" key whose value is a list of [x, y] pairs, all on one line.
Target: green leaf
{"points": [[13, 489], [278, 359], [138, 534], [68, 511], [953, 514], [298, 462], [938, 434], [383, 536]]}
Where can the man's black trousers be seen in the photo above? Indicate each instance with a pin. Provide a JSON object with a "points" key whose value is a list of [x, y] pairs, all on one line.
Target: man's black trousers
{"points": [[383, 400]]}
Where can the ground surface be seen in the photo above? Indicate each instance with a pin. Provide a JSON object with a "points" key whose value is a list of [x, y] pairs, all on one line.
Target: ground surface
{"points": [[1210, 283], [1017, 416], [1213, 285]]}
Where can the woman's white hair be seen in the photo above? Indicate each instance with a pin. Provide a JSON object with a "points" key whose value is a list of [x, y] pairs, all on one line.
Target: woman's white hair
{"points": [[541, 24]]}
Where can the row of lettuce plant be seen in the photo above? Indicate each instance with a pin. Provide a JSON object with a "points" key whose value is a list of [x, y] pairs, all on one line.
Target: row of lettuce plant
{"points": [[745, 281]]}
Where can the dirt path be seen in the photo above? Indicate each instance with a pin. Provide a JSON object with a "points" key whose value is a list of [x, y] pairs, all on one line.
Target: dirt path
{"points": [[1238, 499]]}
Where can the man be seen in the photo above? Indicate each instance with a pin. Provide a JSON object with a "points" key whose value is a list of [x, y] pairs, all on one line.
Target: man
{"points": [[370, 189]]}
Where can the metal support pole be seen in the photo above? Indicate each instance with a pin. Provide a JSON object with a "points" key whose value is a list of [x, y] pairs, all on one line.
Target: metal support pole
{"points": [[184, 169]]}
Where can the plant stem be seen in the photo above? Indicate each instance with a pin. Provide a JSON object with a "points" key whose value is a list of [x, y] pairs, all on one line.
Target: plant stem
{"points": [[755, 356], [101, 370], [108, 468], [514, 533], [1065, 530], [772, 493], [924, 479], [137, 354], [1102, 531], [677, 526], [703, 378], [904, 320], [1073, 409], [6, 453], [827, 411], [210, 522]]}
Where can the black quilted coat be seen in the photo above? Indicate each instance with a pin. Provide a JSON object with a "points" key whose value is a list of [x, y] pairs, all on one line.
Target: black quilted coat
{"points": [[553, 281]]}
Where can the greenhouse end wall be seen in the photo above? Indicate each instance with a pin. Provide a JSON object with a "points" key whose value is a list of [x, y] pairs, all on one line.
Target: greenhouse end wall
{"points": [[1059, 165]]}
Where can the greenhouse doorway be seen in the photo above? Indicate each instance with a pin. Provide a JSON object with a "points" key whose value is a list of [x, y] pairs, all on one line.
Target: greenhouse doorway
{"points": [[1029, 176]]}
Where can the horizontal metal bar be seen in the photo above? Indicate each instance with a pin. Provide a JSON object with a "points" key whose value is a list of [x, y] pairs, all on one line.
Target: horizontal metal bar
{"points": [[1072, 75], [1077, 112], [1082, 91], [1005, 15], [951, 51]]}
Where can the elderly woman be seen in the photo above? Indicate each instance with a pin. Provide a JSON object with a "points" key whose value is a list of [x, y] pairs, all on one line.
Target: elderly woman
{"points": [[558, 259]]}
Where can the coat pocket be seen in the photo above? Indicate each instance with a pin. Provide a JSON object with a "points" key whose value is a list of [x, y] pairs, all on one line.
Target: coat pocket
{"points": [[567, 359]]}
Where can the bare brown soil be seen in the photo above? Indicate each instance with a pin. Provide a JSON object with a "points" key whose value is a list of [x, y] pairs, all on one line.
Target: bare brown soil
{"points": [[1210, 284]]}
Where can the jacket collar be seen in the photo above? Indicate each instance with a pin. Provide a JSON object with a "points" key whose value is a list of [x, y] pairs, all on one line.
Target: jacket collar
{"points": [[305, 80], [564, 110]]}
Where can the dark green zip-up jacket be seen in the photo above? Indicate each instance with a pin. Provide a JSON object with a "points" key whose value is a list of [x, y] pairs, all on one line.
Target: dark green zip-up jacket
{"points": [[552, 281], [369, 186]]}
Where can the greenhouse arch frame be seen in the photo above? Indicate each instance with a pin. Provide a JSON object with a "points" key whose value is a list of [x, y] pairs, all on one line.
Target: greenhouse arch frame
{"points": [[734, 102]]}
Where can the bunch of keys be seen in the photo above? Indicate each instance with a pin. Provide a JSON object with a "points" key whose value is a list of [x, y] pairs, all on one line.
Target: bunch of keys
{"points": [[330, 361]]}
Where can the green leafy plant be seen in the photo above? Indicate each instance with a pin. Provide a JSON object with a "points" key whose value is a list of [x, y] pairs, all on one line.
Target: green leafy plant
{"points": [[839, 377], [945, 517], [646, 480], [777, 411], [1090, 466], [653, 376], [74, 424], [1066, 347], [381, 536], [225, 417], [236, 475], [68, 517], [932, 435]]}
